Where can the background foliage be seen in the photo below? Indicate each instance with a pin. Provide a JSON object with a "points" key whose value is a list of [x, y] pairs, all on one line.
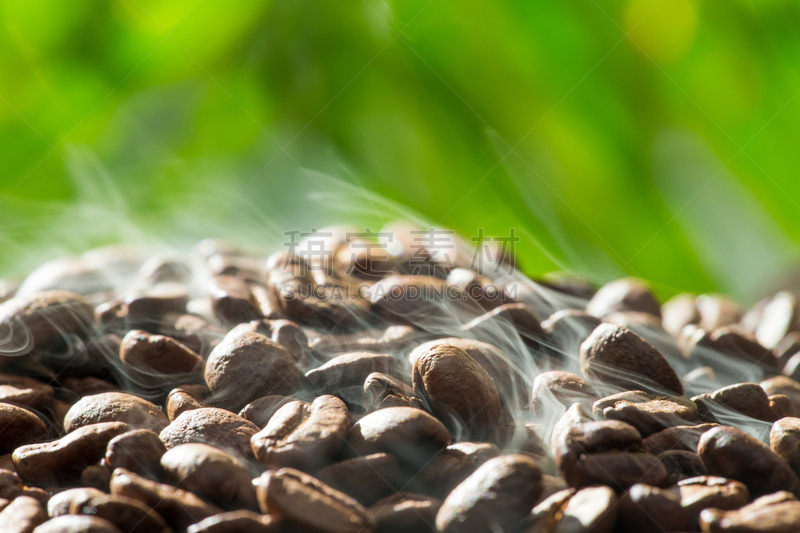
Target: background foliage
{"points": [[656, 138]]}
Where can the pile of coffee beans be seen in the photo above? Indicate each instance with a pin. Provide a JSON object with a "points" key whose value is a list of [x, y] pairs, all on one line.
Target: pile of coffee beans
{"points": [[372, 389]]}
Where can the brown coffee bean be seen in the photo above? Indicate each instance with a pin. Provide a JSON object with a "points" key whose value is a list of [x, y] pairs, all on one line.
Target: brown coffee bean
{"points": [[115, 407], [212, 426], [76, 523], [576, 414], [389, 340], [619, 357], [593, 509], [593, 437], [783, 385], [211, 474], [246, 366], [192, 331], [404, 512], [76, 388], [156, 270], [483, 290], [566, 330], [323, 306], [43, 320], [96, 476], [185, 398], [444, 472], [617, 469], [139, 451], [782, 405], [144, 309], [22, 515], [682, 465], [19, 426], [507, 318], [459, 391], [705, 492], [178, 507], [381, 390], [236, 522], [404, 299], [646, 508], [779, 318], [303, 436], [500, 367], [26, 392], [232, 301], [497, 495], [748, 399], [559, 388], [261, 410], [776, 513], [350, 370], [305, 502], [411, 434], [730, 341], [61, 502], [628, 294], [156, 360], [367, 479], [784, 439], [731, 453], [61, 462], [648, 413], [678, 312], [128, 514]]}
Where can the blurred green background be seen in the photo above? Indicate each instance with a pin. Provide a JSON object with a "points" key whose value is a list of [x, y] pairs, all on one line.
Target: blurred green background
{"points": [[657, 138]]}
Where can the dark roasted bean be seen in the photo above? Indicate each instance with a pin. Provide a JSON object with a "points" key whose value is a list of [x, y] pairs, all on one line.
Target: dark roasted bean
{"points": [[648, 413], [628, 294], [212, 426]]}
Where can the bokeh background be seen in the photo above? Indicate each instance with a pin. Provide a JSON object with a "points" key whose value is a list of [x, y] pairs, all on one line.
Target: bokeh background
{"points": [[657, 138]]}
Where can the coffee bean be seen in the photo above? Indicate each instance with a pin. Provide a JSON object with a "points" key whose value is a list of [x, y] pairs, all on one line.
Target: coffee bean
{"points": [[628, 294], [497, 495], [566, 330], [682, 465], [26, 392], [707, 346], [730, 452], [18, 426], [619, 357], [778, 319], [380, 391], [61, 502], [559, 388], [389, 340], [784, 439], [646, 508], [139, 451], [748, 399], [154, 361], [179, 508], [185, 398], [350, 370], [212, 426], [303, 436], [156, 270], [232, 301], [768, 513], [114, 407], [459, 391], [709, 492], [782, 405], [128, 514], [411, 434], [61, 462], [305, 502], [236, 522], [260, 411], [96, 476], [783, 385], [145, 309], [403, 512], [648, 413], [22, 515], [402, 299], [518, 317], [593, 509], [74, 523], [367, 479], [444, 472], [246, 366], [212, 474], [576, 414], [678, 312]]}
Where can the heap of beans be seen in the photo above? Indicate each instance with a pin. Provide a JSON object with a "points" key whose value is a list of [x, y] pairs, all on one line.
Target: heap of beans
{"points": [[244, 392]]}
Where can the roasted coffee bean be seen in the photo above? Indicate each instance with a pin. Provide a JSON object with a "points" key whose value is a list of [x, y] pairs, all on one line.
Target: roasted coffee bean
{"points": [[776, 513], [367, 479], [323, 306], [232, 301], [145, 309], [61, 462], [709, 492], [22, 515], [502, 320], [731, 453], [114, 407], [616, 469], [139, 451], [350, 370], [648, 413], [246, 366], [576, 414], [305, 502], [185, 398], [303, 436], [96, 476], [236, 522], [128, 514], [746, 398], [500, 367], [444, 472], [498, 495], [678, 312], [212, 426], [192, 331], [212, 474], [520, 437], [26, 392], [389, 340], [179, 508], [459, 391], [593, 437], [260, 411], [75, 523], [628, 294], [406, 299], [783, 385], [157, 269], [559, 388], [566, 330], [782, 405], [11, 486], [411, 434], [646, 508], [730, 341], [381, 390], [43, 320], [285, 333], [593, 509], [784, 439], [74, 389], [619, 357], [403, 512], [19, 426], [779, 318], [682, 465], [61, 502], [158, 361]]}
